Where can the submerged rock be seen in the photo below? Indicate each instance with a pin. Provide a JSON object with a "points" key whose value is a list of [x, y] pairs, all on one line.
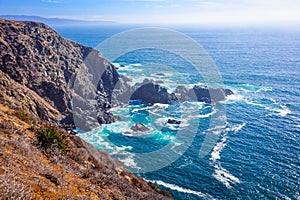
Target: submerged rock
{"points": [[173, 121], [228, 92], [139, 127]]}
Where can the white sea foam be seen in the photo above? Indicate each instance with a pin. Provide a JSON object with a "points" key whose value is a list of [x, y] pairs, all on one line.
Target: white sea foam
{"points": [[276, 108], [173, 127], [176, 144], [161, 121], [284, 111], [168, 137], [127, 159], [264, 89], [126, 68], [136, 65], [181, 189], [234, 98], [191, 110], [155, 109], [224, 176], [162, 75], [195, 103], [187, 162], [215, 154], [250, 102], [220, 173], [286, 197], [206, 115], [123, 148], [119, 127], [116, 64], [217, 130], [237, 128]]}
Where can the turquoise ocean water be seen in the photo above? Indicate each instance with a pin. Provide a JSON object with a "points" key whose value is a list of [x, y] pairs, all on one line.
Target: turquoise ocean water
{"points": [[257, 149]]}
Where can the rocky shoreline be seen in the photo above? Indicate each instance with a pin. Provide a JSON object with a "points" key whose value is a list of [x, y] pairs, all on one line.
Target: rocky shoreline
{"points": [[52, 80], [42, 76]]}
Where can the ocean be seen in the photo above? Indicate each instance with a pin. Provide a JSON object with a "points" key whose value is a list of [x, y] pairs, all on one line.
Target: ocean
{"points": [[253, 154]]}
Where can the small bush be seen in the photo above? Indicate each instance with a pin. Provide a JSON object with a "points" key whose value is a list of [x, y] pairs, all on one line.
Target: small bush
{"points": [[49, 137], [22, 115]]}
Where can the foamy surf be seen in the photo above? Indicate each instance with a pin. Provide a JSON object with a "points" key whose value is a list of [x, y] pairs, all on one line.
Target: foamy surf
{"points": [[136, 65], [220, 173], [274, 107], [181, 189], [215, 154], [224, 176], [281, 110], [127, 159]]}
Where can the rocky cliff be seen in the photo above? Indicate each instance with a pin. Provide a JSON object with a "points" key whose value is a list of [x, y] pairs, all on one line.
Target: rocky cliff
{"points": [[42, 76], [58, 70]]}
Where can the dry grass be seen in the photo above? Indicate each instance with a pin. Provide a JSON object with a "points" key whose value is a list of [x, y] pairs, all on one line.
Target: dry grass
{"points": [[13, 188], [81, 172]]}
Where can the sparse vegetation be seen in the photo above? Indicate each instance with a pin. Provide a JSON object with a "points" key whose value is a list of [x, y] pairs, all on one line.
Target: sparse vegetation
{"points": [[50, 136], [12, 188], [163, 192], [22, 115]]}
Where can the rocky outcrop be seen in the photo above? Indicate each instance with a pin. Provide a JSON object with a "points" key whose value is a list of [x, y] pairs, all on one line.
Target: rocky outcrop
{"points": [[173, 121], [60, 71], [202, 94], [207, 94], [16, 96], [139, 127], [182, 93], [153, 93]]}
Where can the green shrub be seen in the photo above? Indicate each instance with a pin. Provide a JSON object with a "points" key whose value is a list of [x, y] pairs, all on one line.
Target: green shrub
{"points": [[49, 136], [22, 115]]}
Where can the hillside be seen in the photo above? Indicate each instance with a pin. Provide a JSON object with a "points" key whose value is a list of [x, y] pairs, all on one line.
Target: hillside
{"points": [[38, 159], [57, 21]]}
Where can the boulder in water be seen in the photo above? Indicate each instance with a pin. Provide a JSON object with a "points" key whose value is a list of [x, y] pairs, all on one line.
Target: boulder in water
{"points": [[173, 121], [139, 127], [153, 93]]}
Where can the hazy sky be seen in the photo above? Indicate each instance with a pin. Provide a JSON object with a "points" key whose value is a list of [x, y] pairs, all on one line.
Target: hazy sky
{"points": [[160, 11]]}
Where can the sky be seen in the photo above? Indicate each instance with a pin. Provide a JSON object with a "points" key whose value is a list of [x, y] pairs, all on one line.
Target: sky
{"points": [[160, 11]]}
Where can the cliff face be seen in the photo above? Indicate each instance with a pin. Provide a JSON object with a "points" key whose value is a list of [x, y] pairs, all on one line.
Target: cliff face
{"points": [[56, 69], [37, 84]]}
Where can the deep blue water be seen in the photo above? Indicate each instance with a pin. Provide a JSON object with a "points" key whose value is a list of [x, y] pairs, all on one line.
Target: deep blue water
{"points": [[257, 150]]}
